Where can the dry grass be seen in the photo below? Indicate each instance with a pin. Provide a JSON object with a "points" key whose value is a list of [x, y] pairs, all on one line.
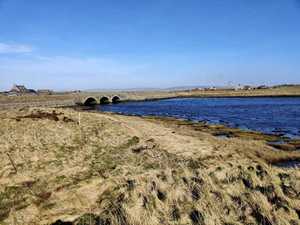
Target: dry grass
{"points": [[35, 98], [91, 168]]}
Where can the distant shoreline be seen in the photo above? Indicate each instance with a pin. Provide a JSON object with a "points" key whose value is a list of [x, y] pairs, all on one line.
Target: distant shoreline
{"points": [[204, 96], [74, 99], [68, 103]]}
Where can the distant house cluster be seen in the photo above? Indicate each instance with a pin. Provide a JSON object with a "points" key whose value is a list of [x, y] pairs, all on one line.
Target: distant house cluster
{"points": [[19, 90], [248, 87], [231, 88]]}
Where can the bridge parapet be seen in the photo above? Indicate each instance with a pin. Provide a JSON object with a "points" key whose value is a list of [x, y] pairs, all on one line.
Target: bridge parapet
{"points": [[98, 99]]}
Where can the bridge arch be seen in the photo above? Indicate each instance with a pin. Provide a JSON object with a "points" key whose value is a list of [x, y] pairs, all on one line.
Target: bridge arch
{"points": [[104, 100], [90, 101], [115, 99]]}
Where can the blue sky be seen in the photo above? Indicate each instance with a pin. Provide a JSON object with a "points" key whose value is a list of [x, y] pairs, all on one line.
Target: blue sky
{"points": [[78, 44]]}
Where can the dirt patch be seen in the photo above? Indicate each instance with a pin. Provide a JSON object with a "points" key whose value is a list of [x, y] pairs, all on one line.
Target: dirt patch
{"points": [[41, 115], [54, 116]]}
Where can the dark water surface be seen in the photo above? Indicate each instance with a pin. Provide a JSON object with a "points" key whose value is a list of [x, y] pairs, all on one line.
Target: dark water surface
{"points": [[269, 115]]}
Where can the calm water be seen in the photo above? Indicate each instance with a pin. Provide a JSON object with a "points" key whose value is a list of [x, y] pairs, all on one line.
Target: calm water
{"points": [[269, 115]]}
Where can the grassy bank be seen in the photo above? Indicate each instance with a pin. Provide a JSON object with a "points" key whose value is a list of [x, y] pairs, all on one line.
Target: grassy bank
{"points": [[70, 167]]}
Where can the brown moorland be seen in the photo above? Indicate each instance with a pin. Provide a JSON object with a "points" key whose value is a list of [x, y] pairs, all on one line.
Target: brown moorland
{"points": [[61, 166]]}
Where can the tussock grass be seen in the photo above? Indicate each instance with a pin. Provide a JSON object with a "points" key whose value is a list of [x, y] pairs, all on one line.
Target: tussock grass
{"points": [[111, 169]]}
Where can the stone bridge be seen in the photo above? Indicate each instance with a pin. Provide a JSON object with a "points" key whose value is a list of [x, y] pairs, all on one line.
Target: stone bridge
{"points": [[82, 98], [100, 99]]}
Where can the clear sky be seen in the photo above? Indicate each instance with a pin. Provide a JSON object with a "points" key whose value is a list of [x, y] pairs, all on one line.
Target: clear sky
{"points": [[87, 44]]}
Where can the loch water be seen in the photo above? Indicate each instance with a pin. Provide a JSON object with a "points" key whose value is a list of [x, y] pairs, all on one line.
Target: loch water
{"points": [[271, 115]]}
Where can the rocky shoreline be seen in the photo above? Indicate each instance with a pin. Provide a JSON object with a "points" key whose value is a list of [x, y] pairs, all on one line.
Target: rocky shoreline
{"points": [[222, 131]]}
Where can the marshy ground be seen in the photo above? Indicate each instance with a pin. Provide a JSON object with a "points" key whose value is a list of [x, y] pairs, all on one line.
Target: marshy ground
{"points": [[61, 166]]}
